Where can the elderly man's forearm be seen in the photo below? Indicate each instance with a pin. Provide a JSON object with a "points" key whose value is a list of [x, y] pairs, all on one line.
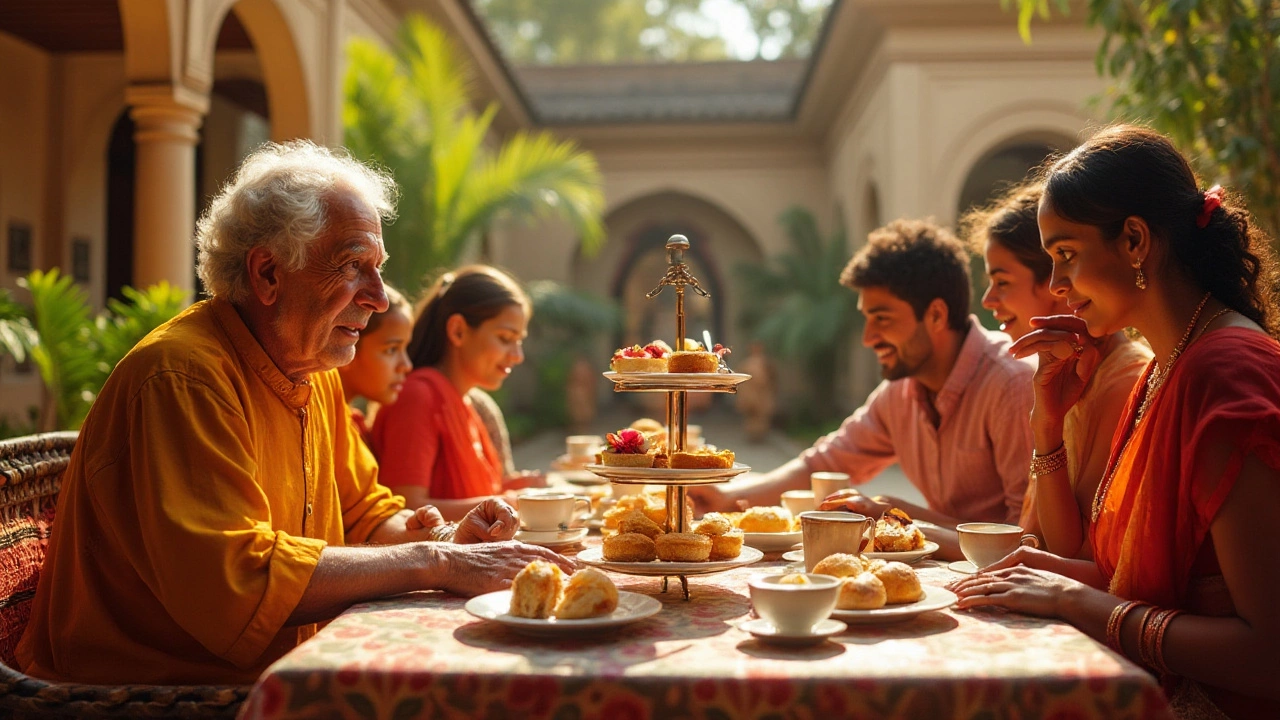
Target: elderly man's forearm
{"points": [[348, 575]]}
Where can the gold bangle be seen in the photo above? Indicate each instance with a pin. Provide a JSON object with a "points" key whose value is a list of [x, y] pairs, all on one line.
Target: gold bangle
{"points": [[444, 533], [1116, 621], [1051, 463], [1157, 652]]}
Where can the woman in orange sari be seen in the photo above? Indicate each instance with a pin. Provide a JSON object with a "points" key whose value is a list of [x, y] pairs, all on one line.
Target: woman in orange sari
{"points": [[1185, 525], [431, 444]]}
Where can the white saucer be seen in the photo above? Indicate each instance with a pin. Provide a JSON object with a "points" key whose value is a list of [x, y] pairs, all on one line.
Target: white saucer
{"points": [[963, 566], [764, 631], [770, 542], [906, 556], [794, 556], [495, 606], [552, 538]]}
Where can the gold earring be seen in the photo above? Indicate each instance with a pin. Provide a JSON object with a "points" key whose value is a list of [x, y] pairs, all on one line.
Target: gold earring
{"points": [[1141, 279]]}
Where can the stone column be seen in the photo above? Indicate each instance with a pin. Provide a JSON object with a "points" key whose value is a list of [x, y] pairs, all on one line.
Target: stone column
{"points": [[167, 120]]}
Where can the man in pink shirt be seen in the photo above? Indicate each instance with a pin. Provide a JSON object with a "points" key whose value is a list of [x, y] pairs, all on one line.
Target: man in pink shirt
{"points": [[954, 406]]}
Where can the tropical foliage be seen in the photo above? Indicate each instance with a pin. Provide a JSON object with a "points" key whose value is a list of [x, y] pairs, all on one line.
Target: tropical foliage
{"points": [[795, 305], [74, 350], [16, 334], [1206, 72], [409, 111], [542, 32]]}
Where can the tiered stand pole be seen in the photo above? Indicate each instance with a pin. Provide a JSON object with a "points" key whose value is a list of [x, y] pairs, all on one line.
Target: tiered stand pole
{"points": [[677, 410]]}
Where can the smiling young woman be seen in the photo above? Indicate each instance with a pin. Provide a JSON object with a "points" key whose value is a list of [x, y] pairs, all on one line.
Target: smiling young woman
{"points": [[1186, 520], [432, 445], [1071, 449]]}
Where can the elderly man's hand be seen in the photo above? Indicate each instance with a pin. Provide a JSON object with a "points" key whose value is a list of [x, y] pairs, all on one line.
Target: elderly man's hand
{"points": [[490, 521], [477, 569], [424, 518]]}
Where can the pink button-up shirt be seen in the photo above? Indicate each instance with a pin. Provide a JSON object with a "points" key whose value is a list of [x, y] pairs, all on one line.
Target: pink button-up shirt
{"points": [[973, 465]]}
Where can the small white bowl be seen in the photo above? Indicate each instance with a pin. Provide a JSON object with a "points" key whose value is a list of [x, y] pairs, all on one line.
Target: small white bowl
{"points": [[794, 609]]}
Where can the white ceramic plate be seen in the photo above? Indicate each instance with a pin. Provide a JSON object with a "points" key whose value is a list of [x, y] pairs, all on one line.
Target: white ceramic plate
{"points": [[658, 568], [676, 381], [666, 476], [908, 556], [632, 607], [935, 598], [575, 477], [552, 538], [764, 631], [771, 542]]}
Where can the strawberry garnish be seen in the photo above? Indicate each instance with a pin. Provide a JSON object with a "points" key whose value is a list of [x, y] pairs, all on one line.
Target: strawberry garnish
{"points": [[721, 351], [628, 442]]}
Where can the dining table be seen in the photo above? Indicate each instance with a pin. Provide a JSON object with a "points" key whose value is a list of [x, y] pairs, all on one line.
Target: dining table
{"points": [[422, 655]]}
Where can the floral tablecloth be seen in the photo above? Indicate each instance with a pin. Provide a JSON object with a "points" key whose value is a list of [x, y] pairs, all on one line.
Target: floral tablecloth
{"points": [[423, 656]]}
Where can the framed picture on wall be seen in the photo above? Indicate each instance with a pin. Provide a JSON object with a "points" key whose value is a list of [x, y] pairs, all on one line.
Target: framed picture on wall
{"points": [[19, 261], [80, 263]]}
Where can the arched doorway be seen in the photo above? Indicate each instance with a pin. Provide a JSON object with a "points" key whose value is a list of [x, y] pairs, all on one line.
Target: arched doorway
{"points": [[119, 220]]}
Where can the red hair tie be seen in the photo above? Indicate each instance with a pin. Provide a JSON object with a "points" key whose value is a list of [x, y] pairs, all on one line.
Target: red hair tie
{"points": [[1212, 201]]}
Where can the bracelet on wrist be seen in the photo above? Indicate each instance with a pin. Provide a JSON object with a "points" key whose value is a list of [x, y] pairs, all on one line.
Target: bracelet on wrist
{"points": [[444, 533], [1050, 463]]}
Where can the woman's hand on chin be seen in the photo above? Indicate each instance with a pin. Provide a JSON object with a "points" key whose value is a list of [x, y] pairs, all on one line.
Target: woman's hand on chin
{"points": [[1068, 356]]}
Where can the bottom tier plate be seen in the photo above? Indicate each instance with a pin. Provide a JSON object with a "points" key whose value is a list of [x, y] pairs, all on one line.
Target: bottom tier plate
{"points": [[659, 568]]}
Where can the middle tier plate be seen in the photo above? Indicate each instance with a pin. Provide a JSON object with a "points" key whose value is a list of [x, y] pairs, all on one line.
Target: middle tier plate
{"points": [[666, 382], [666, 476], [657, 568]]}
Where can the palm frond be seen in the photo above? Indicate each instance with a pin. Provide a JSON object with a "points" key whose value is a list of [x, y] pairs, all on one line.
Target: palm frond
{"points": [[16, 334], [66, 353], [128, 322]]}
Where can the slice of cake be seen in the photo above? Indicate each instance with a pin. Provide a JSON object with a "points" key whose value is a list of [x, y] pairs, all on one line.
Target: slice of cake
{"points": [[702, 459], [695, 358], [651, 358], [627, 448]]}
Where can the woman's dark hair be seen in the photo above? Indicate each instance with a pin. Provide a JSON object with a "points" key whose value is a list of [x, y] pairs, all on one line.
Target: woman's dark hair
{"points": [[476, 292], [395, 301], [1010, 222], [1126, 171], [917, 261]]}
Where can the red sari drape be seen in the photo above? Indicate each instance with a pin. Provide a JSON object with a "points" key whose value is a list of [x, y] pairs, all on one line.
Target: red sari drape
{"points": [[431, 437], [1219, 405]]}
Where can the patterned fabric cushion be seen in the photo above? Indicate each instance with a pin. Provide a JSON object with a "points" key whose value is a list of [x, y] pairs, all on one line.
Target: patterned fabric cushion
{"points": [[23, 542]]}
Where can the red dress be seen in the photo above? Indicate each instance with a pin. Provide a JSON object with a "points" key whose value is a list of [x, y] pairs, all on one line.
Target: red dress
{"points": [[431, 437]]}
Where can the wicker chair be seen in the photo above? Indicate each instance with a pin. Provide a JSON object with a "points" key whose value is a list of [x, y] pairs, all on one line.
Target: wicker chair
{"points": [[30, 473]]}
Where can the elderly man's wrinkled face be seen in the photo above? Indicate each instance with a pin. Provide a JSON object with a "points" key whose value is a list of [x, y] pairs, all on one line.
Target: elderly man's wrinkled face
{"points": [[323, 307]]}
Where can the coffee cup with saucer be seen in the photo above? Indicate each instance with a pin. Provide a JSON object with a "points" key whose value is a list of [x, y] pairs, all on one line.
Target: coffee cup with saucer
{"points": [[793, 613]]}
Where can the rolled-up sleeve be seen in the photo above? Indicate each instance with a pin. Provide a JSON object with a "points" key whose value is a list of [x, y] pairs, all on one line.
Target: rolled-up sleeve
{"points": [[195, 525], [861, 446]]}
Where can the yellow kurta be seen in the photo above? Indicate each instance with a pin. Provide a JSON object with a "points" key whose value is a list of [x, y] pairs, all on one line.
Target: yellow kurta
{"points": [[200, 493]]}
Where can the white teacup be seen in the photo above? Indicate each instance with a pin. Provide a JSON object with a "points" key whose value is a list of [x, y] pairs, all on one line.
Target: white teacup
{"points": [[798, 501], [794, 608], [825, 483], [827, 533], [984, 543], [550, 510], [583, 447]]}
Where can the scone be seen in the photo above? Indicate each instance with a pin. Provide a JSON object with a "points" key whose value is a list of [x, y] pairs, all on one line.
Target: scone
{"points": [[536, 590], [629, 547], [840, 565], [638, 522], [683, 547], [589, 593], [701, 459], [900, 583], [895, 532], [861, 592], [727, 546], [766, 520], [714, 524]]}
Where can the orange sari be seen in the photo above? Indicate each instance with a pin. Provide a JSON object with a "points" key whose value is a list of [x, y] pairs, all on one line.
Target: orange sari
{"points": [[1150, 537], [431, 437]]}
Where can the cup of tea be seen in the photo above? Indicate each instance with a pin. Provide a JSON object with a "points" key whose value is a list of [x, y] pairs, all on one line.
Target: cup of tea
{"points": [[550, 511], [827, 533], [825, 483], [798, 501], [583, 448], [984, 543], [794, 608], [693, 437]]}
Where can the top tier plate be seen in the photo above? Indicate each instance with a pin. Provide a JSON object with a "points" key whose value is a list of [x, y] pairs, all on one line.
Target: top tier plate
{"points": [[666, 382]]}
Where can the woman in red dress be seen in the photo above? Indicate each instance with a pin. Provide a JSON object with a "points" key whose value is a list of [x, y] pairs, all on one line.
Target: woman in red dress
{"points": [[1185, 524]]}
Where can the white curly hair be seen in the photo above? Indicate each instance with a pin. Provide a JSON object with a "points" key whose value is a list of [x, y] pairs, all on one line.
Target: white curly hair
{"points": [[277, 200]]}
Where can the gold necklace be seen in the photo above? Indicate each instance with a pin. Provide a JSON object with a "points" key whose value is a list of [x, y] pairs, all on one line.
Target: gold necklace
{"points": [[1153, 382]]}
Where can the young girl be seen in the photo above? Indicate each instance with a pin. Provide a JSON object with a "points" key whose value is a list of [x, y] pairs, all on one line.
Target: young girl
{"points": [[431, 444], [1018, 270], [1185, 525], [378, 371]]}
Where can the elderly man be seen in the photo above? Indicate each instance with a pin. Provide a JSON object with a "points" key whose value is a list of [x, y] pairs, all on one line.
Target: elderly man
{"points": [[954, 408], [219, 501]]}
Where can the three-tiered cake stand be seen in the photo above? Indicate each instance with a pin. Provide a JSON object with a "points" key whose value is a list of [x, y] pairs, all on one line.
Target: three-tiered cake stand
{"points": [[677, 386]]}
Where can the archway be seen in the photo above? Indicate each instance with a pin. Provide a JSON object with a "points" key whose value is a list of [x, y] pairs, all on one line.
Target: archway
{"points": [[119, 220]]}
